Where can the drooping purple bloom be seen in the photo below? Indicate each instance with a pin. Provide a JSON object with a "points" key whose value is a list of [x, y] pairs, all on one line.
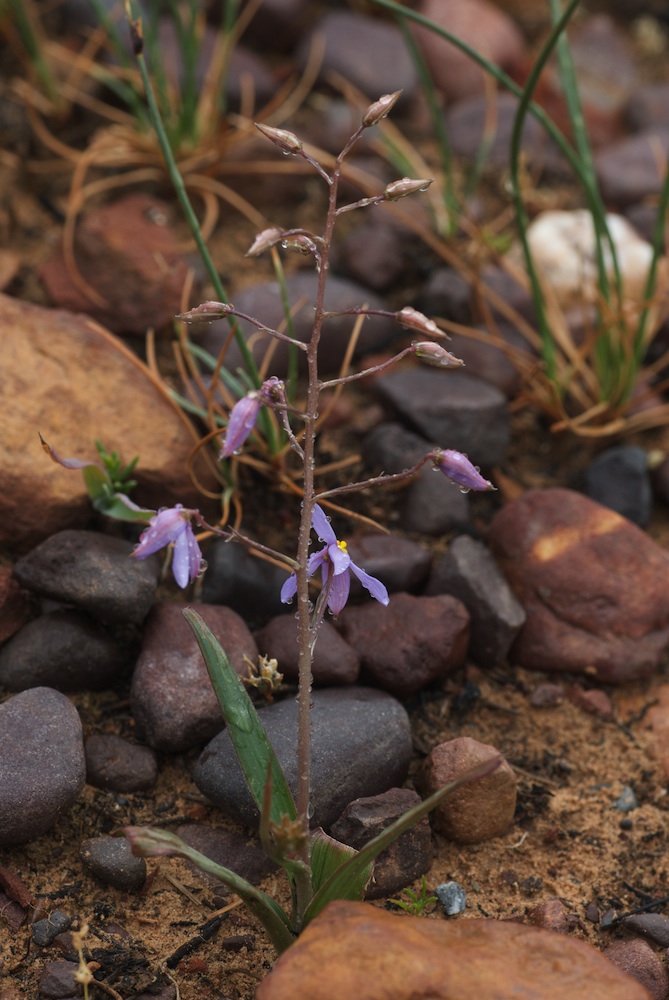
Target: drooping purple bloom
{"points": [[243, 416], [457, 467], [173, 524], [333, 559]]}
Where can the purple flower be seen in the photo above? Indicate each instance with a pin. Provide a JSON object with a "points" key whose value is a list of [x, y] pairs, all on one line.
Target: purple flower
{"points": [[460, 470], [334, 558], [173, 524], [241, 422]]}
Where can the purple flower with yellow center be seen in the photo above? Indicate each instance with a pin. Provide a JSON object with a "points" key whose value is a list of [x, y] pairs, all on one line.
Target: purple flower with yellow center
{"points": [[173, 524], [457, 467], [335, 565]]}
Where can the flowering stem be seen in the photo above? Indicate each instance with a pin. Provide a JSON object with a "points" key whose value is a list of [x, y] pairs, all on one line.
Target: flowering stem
{"points": [[397, 477]]}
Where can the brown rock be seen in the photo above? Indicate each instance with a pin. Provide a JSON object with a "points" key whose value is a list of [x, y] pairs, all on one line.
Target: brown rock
{"points": [[129, 257], [657, 719], [478, 810], [84, 384], [334, 661], [409, 644], [551, 915], [593, 585], [477, 22], [595, 702], [356, 950]]}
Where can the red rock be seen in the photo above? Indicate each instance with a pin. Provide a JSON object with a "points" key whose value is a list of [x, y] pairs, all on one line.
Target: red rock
{"points": [[484, 27], [129, 256], [478, 810], [594, 701], [83, 384], [551, 915], [354, 950], [594, 586], [637, 958], [411, 643]]}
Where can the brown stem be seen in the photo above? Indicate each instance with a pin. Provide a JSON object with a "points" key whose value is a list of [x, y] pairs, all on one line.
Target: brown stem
{"points": [[383, 480]]}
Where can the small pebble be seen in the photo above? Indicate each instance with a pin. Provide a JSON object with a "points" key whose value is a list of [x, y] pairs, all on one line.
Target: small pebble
{"points": [[57, 980], [45, 932], [654, 926], [111, 860], [118, 764], [547, 696], [452, 897], [627, 800]]}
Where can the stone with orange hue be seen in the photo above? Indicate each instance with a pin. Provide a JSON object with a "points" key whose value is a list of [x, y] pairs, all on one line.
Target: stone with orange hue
{"points": [[594, 586], [484, 27], [478, 810], [354, 950], [129, 257], [73, 381]]}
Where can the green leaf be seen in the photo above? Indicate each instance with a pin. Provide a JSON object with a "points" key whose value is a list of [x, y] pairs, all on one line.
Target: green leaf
{"points": [[112, 506], [252, 746], [338, 885], [149, 843], [327, 855], [97, 481]]}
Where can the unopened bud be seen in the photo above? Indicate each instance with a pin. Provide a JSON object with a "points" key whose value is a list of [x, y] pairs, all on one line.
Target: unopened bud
{"points": [[406, 186], [411, 319], [207, 311], [380, 109], [433, 354], [264, 241], [299, 244], [281, 137]]}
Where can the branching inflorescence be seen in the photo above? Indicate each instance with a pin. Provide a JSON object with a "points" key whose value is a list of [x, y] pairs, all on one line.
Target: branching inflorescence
{"points": [[284, 828]]}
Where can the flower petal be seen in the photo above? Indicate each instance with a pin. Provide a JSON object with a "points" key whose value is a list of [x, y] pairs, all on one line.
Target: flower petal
{"points": [[322, 526], [289, 589], [371, 584], [339, 591], [457, 467], [187, 558], [339, 558], [164, 528]]}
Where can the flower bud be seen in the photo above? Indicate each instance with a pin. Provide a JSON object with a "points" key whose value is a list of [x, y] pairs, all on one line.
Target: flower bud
{"points": [[206, 311], [380, 109], [411, 319], [264, 241], [433, 354], [241, 422], [281, 137], [400, 189], [457, 467], [299, 244]]}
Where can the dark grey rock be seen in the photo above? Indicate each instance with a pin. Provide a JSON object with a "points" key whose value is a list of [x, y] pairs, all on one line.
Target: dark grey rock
{"points": [[115, 763], [631, 170], [452, 897], [361, 745], [446, 293], [619, 479], [468, 571], [400, 563], [654, 926], [276, 24], [432, 506], [44, 932], [228, 848], [452, 409], [468, 119], [369, 53], [94, 572], [248, 585], [172, 698], [375, 255], [407, 858], [413, 642], [64, 650], [334, 661], [263, 302], [42, 768], [111, 860], [648, 107]]}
